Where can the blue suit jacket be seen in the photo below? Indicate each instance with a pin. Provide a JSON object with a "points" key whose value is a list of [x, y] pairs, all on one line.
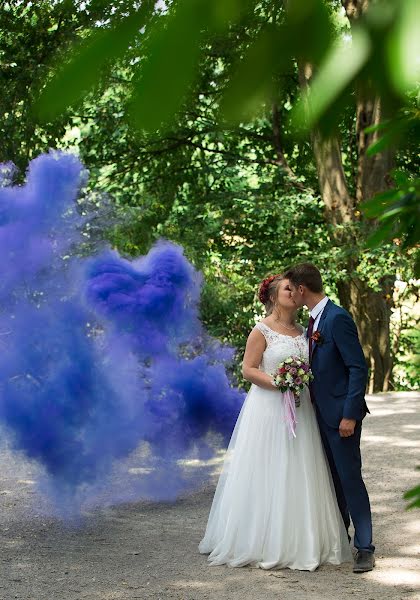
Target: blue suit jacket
{"points": [[339, 368]]}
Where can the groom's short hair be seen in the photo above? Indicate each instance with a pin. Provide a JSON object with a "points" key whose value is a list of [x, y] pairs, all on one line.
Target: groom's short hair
{"points": [[305, 274]]}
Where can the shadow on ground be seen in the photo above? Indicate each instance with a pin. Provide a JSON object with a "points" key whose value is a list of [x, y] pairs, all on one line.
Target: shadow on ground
{"points": [[149, 550]]}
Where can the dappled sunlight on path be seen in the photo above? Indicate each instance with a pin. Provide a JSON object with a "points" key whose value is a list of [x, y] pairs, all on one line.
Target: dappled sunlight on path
{"points": [[391, 451], [149, 550]]}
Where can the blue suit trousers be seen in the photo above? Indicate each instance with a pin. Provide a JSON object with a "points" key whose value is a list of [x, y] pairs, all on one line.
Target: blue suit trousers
{"points": [[345, 462]]}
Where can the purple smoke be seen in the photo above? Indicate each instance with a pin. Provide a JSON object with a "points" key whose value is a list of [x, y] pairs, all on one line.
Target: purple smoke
{"points": [[153, 299], [152, 303], [103, 358]]}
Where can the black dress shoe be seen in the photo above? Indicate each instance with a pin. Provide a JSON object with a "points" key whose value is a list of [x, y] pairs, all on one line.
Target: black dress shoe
{"points": [[363, 561]]}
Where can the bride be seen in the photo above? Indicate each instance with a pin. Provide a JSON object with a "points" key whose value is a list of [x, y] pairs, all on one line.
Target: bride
{"points": [[274, 504]]}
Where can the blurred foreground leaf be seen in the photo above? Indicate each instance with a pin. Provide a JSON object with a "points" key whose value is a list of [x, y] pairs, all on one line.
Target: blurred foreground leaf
{"points": [[252, 81], [404, 47], [77, 77], [413, 496], [170, 67], [397, 210], [340, 68], [398, 214]]}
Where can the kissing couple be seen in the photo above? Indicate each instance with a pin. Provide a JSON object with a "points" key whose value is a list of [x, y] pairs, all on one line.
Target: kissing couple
{"points": [[282, 499]]}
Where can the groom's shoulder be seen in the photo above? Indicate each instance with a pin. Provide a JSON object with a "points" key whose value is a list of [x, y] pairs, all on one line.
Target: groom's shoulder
{"points": [[339, 311]]}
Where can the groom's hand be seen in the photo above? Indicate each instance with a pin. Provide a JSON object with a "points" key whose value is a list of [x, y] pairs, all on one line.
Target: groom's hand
{"points": [[346, 428]]}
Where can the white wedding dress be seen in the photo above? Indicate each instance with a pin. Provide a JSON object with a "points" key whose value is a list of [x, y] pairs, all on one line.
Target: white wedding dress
{"points": [[275, 504]]}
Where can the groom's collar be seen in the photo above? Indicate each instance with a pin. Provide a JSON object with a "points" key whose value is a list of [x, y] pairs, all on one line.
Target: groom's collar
{"points": [[318, 308]]}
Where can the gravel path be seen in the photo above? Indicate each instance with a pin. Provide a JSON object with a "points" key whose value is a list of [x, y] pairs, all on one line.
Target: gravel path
{"points": [[149, 550]]}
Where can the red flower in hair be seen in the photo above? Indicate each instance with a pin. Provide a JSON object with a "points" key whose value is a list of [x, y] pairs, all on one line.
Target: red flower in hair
{"points": [[263, 291]]}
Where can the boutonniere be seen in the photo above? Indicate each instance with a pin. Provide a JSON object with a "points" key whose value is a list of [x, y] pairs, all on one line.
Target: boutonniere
{"points": [[317, 337]]}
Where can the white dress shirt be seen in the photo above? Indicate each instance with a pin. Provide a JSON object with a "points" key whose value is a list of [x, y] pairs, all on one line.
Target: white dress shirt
{"points": [[317, 310]]}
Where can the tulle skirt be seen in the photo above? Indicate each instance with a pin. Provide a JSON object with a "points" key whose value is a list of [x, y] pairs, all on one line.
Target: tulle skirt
{"points": [[275, 504]]}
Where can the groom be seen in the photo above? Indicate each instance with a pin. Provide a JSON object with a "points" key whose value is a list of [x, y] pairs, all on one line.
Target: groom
{"points": [[338, 394]]}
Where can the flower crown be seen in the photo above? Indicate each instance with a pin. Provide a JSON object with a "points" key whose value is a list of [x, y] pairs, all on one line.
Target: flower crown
{"points": [[263, 294]]}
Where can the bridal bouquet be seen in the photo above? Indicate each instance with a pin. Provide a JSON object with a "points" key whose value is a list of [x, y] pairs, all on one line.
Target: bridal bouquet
{"points": [[290, 377]]}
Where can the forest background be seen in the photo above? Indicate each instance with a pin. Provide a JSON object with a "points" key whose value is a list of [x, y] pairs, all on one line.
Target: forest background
{"points": [[256, 134]]}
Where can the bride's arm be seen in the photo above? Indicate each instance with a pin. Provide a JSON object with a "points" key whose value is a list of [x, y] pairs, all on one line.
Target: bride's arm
{"points": [[255, 347]]}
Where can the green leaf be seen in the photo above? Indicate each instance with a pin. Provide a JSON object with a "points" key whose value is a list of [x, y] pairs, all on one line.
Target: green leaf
{"points": [[84, 70], [377, 205], [338, 70], [223, 12], [401, 178], [252, 82], [171, 66], [379, 145], [403, 47], [414, 495], [393, 133], [383, 233], [378, 127], [312, 18]]}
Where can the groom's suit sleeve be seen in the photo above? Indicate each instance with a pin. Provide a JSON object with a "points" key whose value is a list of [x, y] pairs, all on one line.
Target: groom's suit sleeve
{"points": [[346, 339]]}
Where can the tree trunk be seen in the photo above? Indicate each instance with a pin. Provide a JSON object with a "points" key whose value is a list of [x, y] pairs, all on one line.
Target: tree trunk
{"points": [[369, 308], [372, 308], [372, 315]]}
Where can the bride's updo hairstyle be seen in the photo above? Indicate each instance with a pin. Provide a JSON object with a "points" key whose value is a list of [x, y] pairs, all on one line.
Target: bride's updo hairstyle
{"points": [[268, 291]]}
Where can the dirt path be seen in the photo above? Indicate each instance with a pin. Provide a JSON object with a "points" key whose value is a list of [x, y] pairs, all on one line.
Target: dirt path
{"points": [[149, 551]]}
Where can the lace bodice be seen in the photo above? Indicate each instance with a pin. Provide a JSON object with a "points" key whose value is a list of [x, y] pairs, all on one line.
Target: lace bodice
{"points": [[279, 347]]}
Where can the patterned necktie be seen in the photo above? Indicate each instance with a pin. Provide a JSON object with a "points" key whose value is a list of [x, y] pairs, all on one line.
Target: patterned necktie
{"points": [[310, 332]]}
